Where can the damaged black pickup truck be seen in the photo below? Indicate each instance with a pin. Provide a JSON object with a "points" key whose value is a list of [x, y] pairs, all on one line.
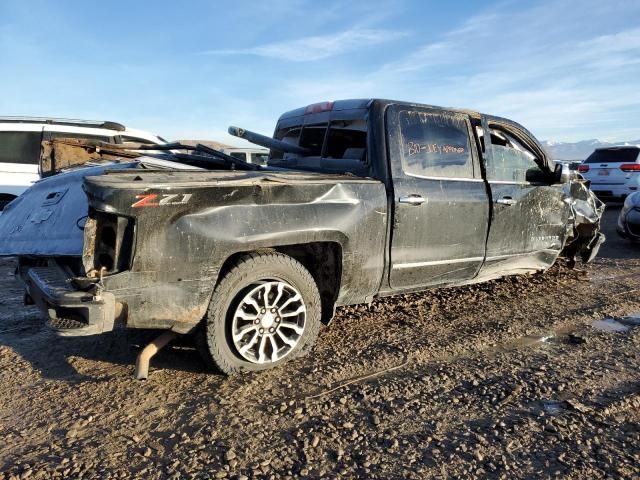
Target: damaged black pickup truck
{"points": [[360, 198]]}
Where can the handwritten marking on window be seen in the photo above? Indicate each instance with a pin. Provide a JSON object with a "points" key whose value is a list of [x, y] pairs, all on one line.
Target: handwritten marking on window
{"points": [[416, 148]]}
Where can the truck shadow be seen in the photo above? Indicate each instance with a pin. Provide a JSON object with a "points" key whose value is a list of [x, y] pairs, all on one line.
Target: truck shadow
{"points": [[65, 359]]}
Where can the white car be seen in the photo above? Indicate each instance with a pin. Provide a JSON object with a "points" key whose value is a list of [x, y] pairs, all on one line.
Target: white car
{"points": [[257, 156], [614, 171], [21, 137], [629, 218]]}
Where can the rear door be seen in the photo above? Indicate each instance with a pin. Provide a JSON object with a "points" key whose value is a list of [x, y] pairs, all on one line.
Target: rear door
{"points": [[441, 206], [529, 215]]}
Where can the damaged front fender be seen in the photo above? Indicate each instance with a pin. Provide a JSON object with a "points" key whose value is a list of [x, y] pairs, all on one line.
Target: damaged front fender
{"points": [[583, 228]]}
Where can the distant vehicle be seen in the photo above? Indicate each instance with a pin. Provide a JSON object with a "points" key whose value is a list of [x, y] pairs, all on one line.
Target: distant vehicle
{"points": [[614, 171], [257, 156], [21, 137], [572, 164], [629, 218]]}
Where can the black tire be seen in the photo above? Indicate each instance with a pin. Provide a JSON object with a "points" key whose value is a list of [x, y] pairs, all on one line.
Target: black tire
{"points": [[248, 270]]}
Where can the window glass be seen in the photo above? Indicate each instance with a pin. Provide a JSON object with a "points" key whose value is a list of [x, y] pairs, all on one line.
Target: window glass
{"points": [[20, 147], [435, 145], [511, 161], [312, 138], [614, 155], [142, 141], [287, 135], [239, 155], [259, 158], [347, 140]]}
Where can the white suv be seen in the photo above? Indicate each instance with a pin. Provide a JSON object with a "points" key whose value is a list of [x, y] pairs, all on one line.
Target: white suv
{"points": [[614, 171], [21, 137]]}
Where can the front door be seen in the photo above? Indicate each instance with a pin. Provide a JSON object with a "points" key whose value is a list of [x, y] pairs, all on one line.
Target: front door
{"points": [[441, 205], [529, 216]]}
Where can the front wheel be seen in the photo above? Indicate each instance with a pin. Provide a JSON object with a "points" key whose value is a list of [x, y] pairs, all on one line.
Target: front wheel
{"points": [[265, 311]]}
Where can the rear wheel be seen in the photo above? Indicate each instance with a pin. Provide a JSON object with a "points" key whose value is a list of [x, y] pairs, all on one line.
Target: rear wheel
{"points": [[265, 311]]}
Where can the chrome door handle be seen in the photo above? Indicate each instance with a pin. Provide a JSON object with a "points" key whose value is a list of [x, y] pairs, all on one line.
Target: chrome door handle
{"points": [[412, 199], [506, 201]]}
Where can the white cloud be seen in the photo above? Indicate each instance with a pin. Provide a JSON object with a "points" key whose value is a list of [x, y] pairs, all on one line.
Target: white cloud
{"points": [[318, 47]]}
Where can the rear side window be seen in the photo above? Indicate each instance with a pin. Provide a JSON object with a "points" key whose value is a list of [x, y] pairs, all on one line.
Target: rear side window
{"points": [[239, 155], [511, 161], [312, 139], [20, 147], [614, 155], [347, 140], [435, 144]]}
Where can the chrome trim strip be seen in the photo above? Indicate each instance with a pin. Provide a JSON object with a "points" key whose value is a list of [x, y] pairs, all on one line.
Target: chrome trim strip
{"points": [[454, 179], [437, 262], [500, 257]]}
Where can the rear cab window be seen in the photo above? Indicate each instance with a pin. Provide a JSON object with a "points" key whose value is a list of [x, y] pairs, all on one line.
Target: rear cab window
{"points": [[336, 142]]}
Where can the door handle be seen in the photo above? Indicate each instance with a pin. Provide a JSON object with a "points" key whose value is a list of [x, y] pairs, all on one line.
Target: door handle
{"points": [[506, 201], [412, 199]]}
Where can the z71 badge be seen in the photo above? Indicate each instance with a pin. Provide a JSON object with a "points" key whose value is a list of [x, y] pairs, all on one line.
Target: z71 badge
{"points": [[156, 200]]}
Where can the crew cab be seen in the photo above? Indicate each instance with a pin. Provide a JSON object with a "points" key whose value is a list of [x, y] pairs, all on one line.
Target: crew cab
{"points": [[360, 199]]}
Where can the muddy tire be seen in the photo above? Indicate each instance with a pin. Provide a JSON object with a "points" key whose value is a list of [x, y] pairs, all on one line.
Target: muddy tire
{"points": [[264, 311]]}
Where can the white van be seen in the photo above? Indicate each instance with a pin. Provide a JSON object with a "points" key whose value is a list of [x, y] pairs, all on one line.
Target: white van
{"points": [[21, 137]]}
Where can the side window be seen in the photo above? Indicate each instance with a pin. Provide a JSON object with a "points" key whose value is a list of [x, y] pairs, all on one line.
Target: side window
{"points": [[435, 144], [239, 155], [511, 160], [20, 147], [259, 158]]}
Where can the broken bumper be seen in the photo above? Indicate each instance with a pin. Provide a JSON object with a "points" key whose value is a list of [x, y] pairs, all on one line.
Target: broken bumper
{"points": [[70, 311]]}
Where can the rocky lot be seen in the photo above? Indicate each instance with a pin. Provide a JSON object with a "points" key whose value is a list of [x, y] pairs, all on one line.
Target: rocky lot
{"points": [[526, 377]]}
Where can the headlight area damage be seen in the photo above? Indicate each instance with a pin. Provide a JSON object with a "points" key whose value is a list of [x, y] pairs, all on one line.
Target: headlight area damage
{"points": [[583, 228]]}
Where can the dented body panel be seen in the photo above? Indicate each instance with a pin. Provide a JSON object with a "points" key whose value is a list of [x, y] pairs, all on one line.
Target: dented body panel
{"points": [[149, 244]]}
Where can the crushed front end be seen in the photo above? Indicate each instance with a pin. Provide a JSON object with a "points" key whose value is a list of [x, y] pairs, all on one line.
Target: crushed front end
{"points": [[584, 237]]}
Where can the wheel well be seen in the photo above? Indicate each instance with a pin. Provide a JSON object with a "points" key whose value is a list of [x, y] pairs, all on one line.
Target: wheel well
{"points": [[322, 259]]}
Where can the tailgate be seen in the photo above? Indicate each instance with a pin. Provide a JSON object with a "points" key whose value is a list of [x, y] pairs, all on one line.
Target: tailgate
{"points": [[48, 219]]}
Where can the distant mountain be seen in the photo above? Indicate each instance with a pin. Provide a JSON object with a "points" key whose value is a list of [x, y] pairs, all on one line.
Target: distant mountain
{"points": [[578, 150]]}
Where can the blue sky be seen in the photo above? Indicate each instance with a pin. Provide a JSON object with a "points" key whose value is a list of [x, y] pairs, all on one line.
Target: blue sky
{"points": [[567, 70]]}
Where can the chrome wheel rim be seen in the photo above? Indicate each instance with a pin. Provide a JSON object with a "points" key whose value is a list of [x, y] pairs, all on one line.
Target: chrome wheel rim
{"points": [[268, 322]]}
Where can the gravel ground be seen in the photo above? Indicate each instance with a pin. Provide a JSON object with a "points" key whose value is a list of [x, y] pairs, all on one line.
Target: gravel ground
{"points": [[525, 377]]}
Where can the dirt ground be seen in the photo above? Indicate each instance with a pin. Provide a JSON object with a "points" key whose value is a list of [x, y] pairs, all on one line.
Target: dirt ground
{"points": [[527, 377]]}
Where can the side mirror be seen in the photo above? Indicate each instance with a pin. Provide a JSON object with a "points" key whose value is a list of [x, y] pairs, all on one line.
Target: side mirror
{"points": [[563, 173]]}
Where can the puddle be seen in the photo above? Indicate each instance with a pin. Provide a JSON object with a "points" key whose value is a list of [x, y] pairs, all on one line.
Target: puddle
{"points": [[553, 407], [632, 320], [526, 341], [610, 325]]}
